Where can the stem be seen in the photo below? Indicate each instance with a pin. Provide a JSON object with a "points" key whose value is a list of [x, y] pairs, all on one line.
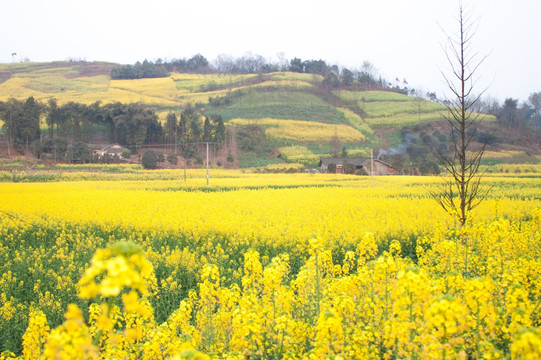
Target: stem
{"points": [[318, 289], [466, 256]]}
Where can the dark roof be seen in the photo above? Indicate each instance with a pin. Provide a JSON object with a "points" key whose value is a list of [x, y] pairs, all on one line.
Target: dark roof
{"points": [[384, 163]]}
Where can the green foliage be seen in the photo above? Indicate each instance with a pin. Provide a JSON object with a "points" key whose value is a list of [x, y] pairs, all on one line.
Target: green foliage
{"points": [[149, 160], [365, 96], [160, 157], [132, 124], [21, 120], [172, 159], [250, 138], [331, 168], [126, 154], [56, 147], [251, 159], [147, 69], [349, 168], [219, 132], [79, 153], [391, 108], [226, 99]]}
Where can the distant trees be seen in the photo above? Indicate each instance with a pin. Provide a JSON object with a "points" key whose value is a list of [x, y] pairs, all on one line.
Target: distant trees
{"points": [[159, 68], [247, 64], [79, 152], [72, 120], [171, 129], [367, 75], [21, 120], [535, 112], [146, 69], [198, 63], [130, 125], [334, 76], [28, 126], [525, 118]]}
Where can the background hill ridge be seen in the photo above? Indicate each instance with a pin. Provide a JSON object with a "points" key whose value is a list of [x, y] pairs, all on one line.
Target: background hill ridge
{"points": [[281, 116]]}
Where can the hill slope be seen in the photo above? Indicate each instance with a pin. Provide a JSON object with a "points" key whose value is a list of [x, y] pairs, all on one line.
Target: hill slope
{"points": [[297, 115]]}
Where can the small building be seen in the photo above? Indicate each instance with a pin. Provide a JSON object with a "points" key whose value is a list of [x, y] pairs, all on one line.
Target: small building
{"points": [[358, 163], [110, 150]]}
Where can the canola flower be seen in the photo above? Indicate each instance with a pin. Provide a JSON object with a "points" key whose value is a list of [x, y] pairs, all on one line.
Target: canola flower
{"points": [[383, 309], [384, 276]]}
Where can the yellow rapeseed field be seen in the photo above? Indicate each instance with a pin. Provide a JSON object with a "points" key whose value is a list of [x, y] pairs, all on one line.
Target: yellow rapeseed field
{"points": [[147, 265], [303, 131]]}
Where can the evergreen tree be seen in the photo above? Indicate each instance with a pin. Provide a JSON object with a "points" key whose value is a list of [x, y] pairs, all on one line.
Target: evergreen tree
{"points": [[219, 134], [28, 124], [171, 128], [207, 129]]}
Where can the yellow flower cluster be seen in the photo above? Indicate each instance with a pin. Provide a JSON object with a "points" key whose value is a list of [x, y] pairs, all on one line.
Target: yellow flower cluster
{"points": [[386, 308], [121, 265]]}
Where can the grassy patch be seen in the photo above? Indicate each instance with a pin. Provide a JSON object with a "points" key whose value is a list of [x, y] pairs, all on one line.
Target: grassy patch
{"points": [[251, 159], [404, 119], [284, 104], [356, 121], [390, 108], [354, 96], [510, 157]]}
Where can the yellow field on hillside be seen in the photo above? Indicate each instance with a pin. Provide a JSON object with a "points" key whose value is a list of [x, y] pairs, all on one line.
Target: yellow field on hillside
{"points": [[303, 131]]}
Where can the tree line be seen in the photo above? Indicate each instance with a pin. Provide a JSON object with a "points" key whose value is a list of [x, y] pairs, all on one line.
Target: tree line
{"points": [[523, 117], [70, 127], [254, 64]]}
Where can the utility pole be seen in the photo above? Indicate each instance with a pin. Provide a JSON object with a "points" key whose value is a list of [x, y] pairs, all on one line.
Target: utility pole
{"points": [[207, 163]]}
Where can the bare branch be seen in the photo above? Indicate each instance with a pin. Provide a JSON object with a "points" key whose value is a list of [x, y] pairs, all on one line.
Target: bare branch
{"points": [[463, 165]]}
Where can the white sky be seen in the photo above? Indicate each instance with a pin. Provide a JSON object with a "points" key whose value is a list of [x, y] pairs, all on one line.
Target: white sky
{"points": [[402, 38]]}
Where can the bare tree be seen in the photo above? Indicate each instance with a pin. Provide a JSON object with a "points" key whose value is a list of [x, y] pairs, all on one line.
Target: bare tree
{"points": [[461, 191]]}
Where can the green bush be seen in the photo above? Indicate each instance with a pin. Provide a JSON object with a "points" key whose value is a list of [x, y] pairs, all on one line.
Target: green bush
{"points": [[126, 154], [172, 159], [150, 160]]}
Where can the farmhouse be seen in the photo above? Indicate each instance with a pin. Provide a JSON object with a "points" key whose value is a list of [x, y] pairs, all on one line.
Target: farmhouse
{"points": [[110, 150], [358, 163]]}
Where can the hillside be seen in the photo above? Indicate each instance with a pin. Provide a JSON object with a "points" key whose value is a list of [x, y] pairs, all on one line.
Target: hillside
{"points": [[276, 117]]}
